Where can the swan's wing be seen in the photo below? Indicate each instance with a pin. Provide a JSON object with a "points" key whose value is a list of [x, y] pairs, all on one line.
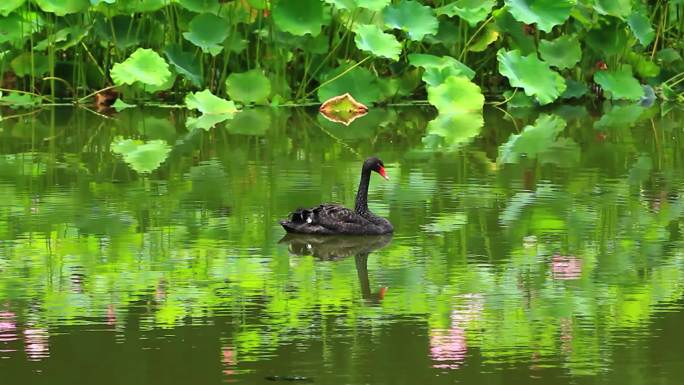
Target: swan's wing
{"points": [[335, 216]]}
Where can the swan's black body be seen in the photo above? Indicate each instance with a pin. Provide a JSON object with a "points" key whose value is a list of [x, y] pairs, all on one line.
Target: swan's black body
{"points": [[331, 219]]}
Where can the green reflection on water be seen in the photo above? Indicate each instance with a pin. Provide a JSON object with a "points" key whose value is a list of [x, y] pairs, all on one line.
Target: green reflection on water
{"points": [[566, 266]]}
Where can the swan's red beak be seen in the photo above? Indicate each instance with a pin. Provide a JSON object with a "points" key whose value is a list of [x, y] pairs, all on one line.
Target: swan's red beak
{"points": [[383, 173]]}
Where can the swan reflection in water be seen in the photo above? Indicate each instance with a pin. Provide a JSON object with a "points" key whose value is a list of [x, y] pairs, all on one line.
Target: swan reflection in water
{"points": [[336, 247]]}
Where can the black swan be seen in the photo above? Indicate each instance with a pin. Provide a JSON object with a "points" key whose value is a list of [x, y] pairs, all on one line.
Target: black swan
{"points": [[332, 219]]}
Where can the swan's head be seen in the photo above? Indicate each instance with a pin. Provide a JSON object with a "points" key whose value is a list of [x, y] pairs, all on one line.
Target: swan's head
{"points": [[376, 165]]}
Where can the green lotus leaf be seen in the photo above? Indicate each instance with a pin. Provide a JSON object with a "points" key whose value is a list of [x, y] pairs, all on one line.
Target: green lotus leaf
{"points": [[359, 83], [574, 89], [62, 7], [206, 121], [208, 103], [7, 6], [668, 55], [532, 140], [298, 17], [249, 87], [27, 64], [144, 66], [200, 6], [641, 27], [620, 117], [532, 74], [117, 30], [488, 36], [545, 13], [128, 7], [143, 157], [620, 84], [472, 11], [438, 69], [18, 100], [120, 105], [208, 32], [370, 38], [563, 52], [63, 39], [456, 95], [611, 39], [186, 63], [167, 85], [513, 32], [415, 19], [373, 5], [253, 121], [452, 131], [617, 8], [258, 4], [15, 28]]}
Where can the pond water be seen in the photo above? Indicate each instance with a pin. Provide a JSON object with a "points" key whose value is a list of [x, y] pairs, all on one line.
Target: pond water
{"points": [[159, 259]]}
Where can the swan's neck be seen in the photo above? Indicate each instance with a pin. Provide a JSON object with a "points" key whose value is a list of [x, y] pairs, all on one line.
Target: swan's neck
{"points": [[362, 194]]}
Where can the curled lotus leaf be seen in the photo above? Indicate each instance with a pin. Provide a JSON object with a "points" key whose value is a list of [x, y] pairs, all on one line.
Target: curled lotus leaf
{"points": [[532, 74], [545, 13], [208, 32], [208, 103], [415, 19], [439, 68], [343, 109], [620, 83], [370, 38], [472, 11], [144, 66], [299, 17]]}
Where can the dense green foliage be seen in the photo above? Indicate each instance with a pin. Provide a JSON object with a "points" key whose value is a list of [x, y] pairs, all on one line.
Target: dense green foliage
{"points": [[292, 50]]}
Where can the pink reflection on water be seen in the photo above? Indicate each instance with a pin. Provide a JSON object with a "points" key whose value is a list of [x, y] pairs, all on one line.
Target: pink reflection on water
{"points": [[8, 331], [36, 343], [448, 347], [566, 267], [111, 315], [228, 359]]}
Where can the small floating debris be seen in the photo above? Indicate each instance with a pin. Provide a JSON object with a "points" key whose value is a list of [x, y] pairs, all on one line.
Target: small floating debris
{"points": [[290, 378]]}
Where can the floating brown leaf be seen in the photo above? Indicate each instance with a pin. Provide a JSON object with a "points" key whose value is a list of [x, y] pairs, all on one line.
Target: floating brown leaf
{"points": [[343, 109]]}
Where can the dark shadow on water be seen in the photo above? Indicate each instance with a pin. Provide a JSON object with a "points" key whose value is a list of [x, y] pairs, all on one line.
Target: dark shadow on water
{"points": [[331, 248]]}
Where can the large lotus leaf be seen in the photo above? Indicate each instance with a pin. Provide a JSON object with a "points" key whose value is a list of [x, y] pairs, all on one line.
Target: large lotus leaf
{"points": [[620, 83], [372, 5], [208, 103], [249, 87], [298, 17], [563, 52], [545, 13], [532, 140], [7, 6], [514, 32], [15, 28], [532, 74], [451, 131], [456, 95], [620, 117], [438, 69], [415, 19], [208, 32], [200, 6], [27, 64], [359, 83], [370, 38], [62, 7], [617, 8], [143, 157], [472, 11], [144, 66], [641, 27], [186, 63]]}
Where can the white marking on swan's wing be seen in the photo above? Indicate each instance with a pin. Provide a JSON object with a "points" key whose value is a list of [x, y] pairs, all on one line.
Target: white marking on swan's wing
{"points": [[309, 220]]}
